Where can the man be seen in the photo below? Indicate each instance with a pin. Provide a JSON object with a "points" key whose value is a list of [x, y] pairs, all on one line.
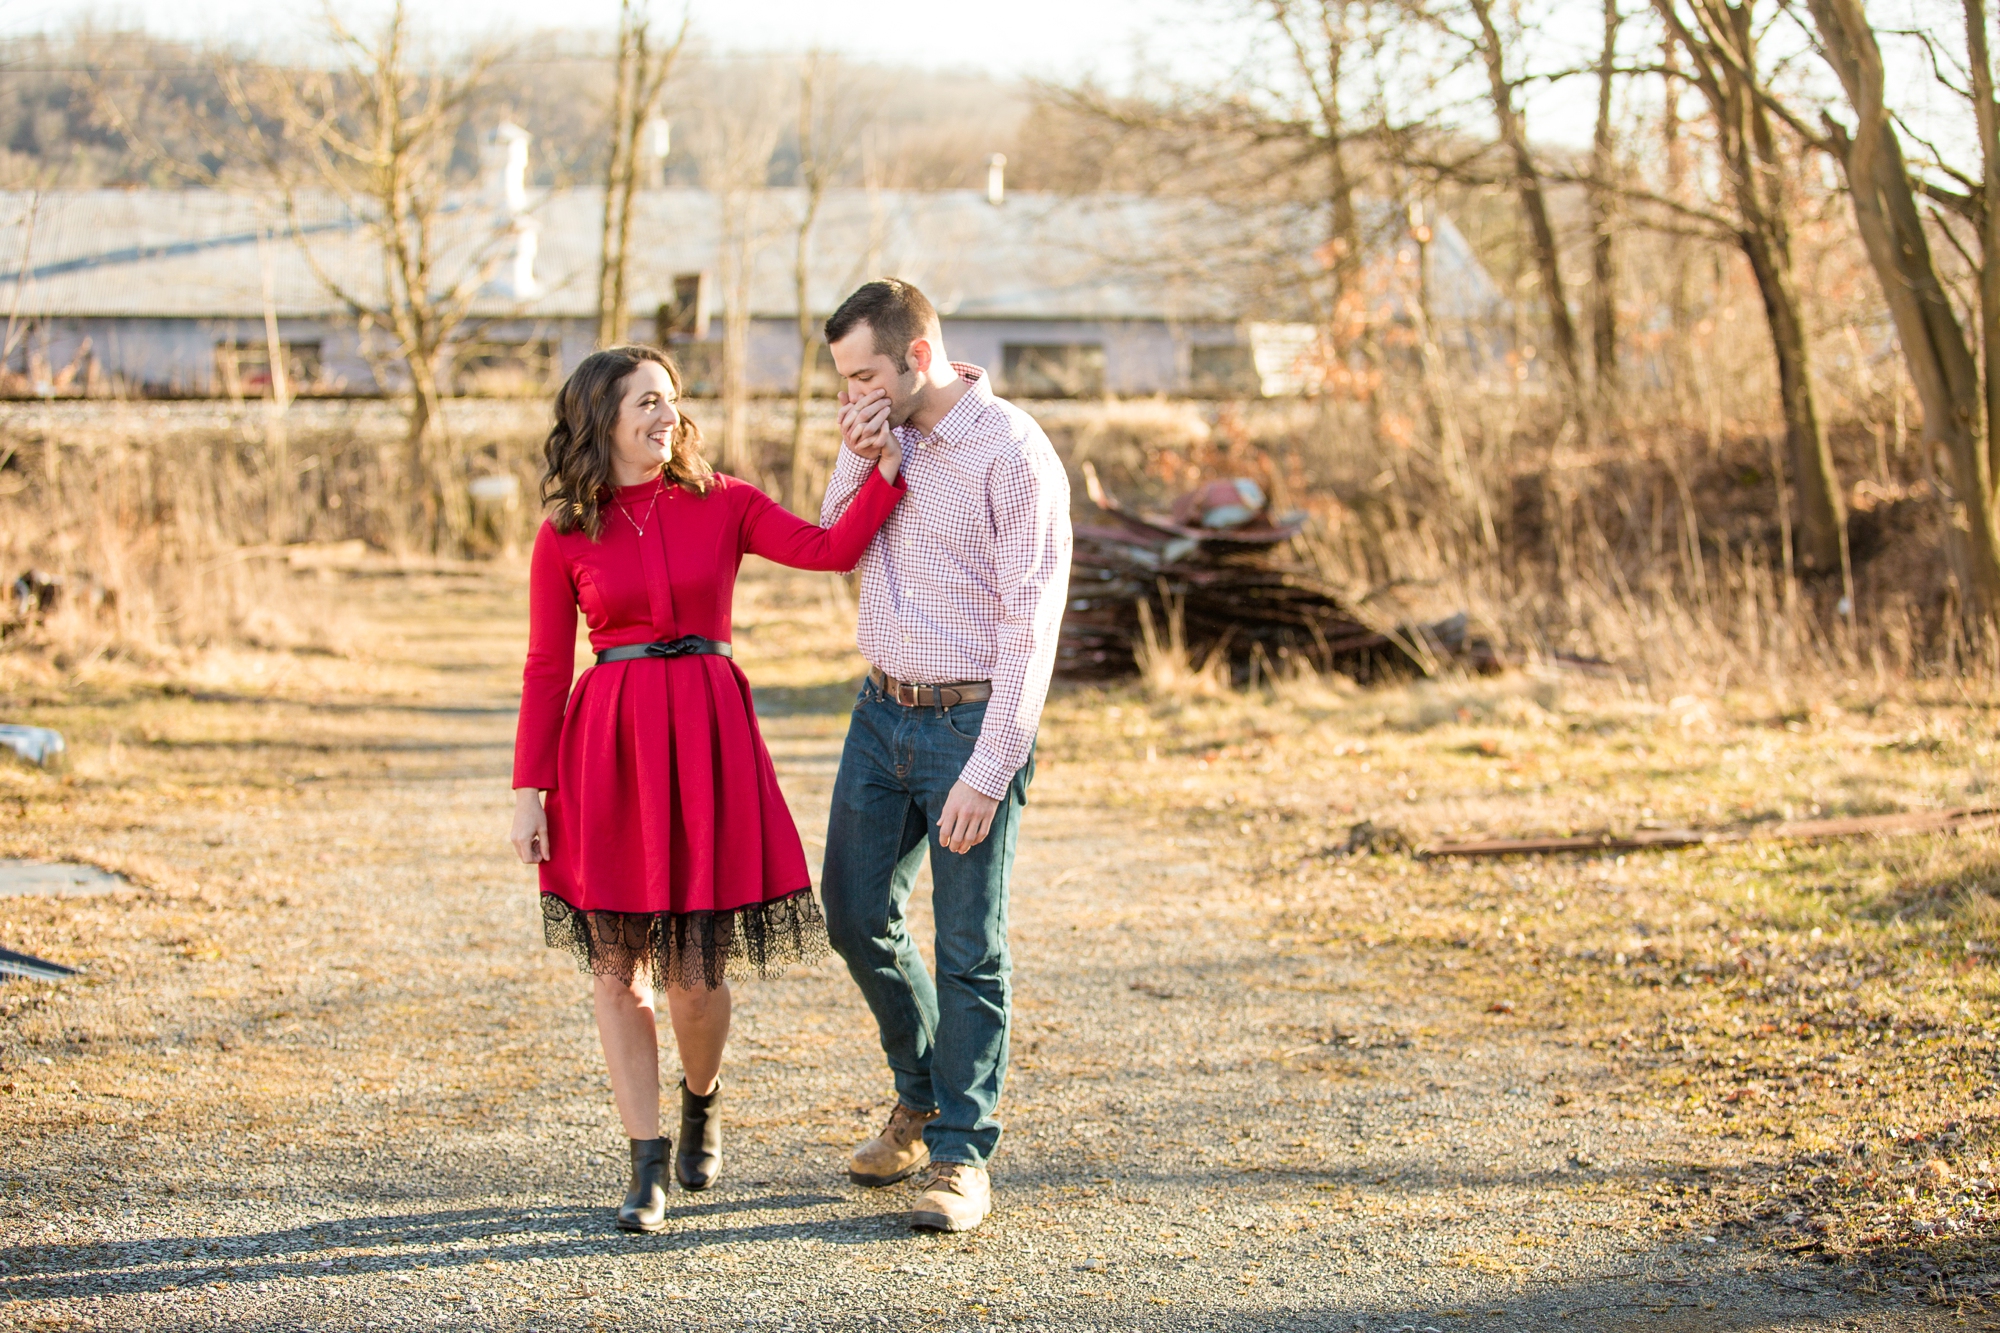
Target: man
{"points": [[962, 592]]}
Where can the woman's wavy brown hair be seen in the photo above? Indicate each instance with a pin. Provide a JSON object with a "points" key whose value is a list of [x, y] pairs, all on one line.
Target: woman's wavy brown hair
{"points": [[576, 474]]}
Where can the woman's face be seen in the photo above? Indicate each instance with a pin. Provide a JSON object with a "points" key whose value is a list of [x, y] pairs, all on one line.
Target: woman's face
{"points": [[643, 439]]}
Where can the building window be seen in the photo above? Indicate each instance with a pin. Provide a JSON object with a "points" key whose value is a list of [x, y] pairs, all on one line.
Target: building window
{"points": [[1223, 370], [244, 369], [685, 317], [494, 369], [1053, 370]]}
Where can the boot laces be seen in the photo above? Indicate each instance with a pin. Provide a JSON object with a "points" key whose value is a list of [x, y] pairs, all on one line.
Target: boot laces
{"points": [[905, 1124], [949, 1177]]}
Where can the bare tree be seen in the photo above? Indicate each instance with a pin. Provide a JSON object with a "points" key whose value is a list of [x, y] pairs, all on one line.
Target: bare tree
{"points": [[277, 438], [1720, 41], [1674, 155], [1318, 34], [1954, 373], [741, 121], [832, 121], [1289, 144], [1603, 257], [641, 76], [376, 130], [1512, 125]]}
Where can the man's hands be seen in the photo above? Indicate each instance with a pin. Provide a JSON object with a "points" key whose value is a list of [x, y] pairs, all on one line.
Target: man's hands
{"points": [[530, 834], [865, 430], [967, 818], [864, 422]]}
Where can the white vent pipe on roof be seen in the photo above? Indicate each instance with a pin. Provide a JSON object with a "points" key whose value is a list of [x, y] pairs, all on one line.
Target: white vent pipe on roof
{"points": [[527, 241], [508, 162], [659, 141]]}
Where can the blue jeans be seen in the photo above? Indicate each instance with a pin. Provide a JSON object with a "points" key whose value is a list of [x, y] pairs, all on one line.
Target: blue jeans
{"points": [[946, 1039]]}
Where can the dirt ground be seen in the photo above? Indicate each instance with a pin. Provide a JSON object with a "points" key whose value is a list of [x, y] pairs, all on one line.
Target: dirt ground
{"points": [[318, 1070]]}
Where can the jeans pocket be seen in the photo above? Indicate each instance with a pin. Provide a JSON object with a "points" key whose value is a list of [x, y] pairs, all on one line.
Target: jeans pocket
{"points": [[965, 720]]}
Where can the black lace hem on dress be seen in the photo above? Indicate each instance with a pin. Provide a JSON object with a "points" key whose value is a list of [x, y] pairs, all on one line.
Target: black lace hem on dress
{"points": [[689, 949]]}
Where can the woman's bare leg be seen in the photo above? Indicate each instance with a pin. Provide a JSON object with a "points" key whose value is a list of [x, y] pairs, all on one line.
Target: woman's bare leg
{"points": [[631, 1038], [701, 1029]]}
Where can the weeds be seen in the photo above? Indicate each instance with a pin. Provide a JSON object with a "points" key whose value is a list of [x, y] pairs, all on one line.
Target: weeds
{"points": [[1824, 1015]]}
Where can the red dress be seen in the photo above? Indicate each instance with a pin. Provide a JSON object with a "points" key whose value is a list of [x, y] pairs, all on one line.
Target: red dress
{"points": [[669, 841]]}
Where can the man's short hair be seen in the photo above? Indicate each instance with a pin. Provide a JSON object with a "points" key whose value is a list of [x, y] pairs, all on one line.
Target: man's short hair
{"points": [[894, 311]]}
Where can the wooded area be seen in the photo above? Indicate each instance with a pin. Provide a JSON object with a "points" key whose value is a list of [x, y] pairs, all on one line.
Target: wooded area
{"points": [[1738, 386]]}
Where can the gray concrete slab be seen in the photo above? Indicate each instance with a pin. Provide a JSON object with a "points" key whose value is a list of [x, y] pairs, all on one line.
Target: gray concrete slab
{"points": [[59, 879]]}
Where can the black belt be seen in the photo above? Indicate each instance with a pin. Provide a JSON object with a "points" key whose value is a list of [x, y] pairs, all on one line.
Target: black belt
{"points": [[688, 645]]}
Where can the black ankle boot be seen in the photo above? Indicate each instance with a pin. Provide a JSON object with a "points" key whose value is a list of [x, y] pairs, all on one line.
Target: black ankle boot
{"points": [[700, 1159], [645, 1206]]}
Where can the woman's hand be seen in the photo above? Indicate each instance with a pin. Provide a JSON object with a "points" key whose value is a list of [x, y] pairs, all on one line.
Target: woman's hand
{"points": [[891, 460], [530, 835]]}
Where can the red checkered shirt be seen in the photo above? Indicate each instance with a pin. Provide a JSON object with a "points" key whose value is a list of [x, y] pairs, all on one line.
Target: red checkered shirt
{"points": [[968, 578]]}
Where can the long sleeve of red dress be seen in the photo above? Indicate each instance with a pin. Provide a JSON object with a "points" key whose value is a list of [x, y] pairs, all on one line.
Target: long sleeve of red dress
{"points": [[782, 537], [551, 664], [628, 595]]}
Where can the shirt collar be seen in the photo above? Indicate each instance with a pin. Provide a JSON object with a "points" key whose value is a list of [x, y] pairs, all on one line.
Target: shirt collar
{"points": [[957, 423]]}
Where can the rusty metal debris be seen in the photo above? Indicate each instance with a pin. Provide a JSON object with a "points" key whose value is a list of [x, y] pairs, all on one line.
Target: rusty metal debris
{"points": [[1212, 580], [1963, 819]]}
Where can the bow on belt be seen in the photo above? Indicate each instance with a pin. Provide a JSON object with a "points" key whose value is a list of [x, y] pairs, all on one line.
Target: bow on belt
{"points": [[688, 645]]}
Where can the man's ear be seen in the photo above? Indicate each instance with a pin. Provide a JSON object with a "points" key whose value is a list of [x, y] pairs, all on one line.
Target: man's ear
{"points": [[922, 354]]}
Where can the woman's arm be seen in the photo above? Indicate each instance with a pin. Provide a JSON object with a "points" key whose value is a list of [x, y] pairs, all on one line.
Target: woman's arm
{"points": [[551, 665], [778, 535]]}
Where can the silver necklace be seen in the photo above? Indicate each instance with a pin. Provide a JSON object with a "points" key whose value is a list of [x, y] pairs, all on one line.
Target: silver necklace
{"points": [[637, 526]]}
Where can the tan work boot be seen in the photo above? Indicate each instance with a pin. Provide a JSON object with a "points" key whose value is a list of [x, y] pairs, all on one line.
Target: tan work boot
{"points": [[897, 1153], [956, 1197]]}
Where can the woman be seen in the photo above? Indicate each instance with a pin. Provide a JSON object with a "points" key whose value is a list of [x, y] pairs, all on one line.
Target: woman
{"points": [[664, 843]]}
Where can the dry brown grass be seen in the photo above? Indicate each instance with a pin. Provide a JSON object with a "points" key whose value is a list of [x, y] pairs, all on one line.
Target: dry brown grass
{"points": [[1656, 550], [1826, 1014]]}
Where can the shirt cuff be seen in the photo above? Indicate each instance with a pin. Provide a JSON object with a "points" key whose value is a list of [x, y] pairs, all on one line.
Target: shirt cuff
{"points": [[850, 464], [988, 775]]}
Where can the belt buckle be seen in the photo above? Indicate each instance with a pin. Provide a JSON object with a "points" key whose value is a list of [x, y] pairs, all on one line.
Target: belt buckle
{"points": [[913, 698]]}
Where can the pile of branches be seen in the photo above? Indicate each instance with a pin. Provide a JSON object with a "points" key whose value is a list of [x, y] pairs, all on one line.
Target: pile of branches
{"points": [[1152, 584]]}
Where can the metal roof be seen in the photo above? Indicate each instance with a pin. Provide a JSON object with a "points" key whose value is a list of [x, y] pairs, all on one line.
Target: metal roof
{"points": [[209, 254]]}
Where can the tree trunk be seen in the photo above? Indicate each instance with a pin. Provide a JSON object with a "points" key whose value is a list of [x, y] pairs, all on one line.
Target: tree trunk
{"points": [[1758, 173], [1344, 225], [1724, 60], [277, 441], [1987, 117], [440, 492], [1603, 266], [641, 76], [798, 486], [1680, 370], [1534, 210], [736, 262], [618, 173], [1820, 513], [1942, 365]]}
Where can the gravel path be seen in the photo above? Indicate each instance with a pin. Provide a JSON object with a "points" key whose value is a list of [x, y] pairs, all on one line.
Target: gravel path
{"points": [[321, 1074]]}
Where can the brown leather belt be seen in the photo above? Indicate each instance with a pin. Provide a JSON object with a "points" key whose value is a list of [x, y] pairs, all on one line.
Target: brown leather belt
{"points": [[930, 696]]}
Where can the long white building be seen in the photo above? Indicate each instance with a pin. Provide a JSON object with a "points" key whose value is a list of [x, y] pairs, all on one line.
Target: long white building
{"points": [[175, 293]]}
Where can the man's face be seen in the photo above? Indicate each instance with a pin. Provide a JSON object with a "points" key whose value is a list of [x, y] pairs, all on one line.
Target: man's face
{"points": [[865, 369]]}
